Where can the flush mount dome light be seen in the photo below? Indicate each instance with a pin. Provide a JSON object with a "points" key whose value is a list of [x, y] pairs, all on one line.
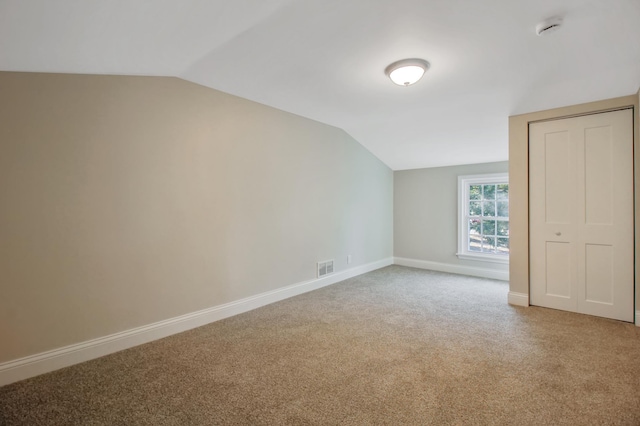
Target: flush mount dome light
{"points": [[407, 71]]}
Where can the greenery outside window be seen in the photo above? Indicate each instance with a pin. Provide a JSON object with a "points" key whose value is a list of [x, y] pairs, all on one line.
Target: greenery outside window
{"points": [[483, 217]]}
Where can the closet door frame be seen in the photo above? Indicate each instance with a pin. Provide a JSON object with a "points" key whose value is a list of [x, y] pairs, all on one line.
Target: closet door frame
{"points": [[519, 189], [573, 239]]}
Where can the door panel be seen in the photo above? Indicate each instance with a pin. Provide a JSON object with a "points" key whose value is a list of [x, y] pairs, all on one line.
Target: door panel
{"points": [[599, 274], [558, 273], [552, 255], [598, 176], [557, 183], [581, 214]]}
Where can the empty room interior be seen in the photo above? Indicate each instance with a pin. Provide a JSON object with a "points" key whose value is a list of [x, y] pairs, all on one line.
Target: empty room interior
{"points": [[319, 212]]}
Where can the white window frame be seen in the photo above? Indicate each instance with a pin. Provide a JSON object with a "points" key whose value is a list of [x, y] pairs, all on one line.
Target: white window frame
{"points": [[463, 208]]}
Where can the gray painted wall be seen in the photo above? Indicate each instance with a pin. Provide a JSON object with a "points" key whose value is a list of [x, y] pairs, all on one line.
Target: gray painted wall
{"points": [[130, 200], [425, 215]]}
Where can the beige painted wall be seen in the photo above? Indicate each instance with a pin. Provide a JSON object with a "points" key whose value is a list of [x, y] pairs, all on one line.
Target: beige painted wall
{"points": [[519, 183], [425, 215], [129, 200]]}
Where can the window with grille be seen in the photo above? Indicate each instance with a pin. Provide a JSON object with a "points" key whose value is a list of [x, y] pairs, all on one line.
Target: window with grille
{"points": [[483, 212]]}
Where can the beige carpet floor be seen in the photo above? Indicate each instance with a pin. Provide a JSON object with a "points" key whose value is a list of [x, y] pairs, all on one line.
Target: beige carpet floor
{"points": [[391, 347]]}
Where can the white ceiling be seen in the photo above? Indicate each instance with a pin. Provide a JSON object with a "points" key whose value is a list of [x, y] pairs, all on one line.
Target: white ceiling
{"points": [[325, 59]]}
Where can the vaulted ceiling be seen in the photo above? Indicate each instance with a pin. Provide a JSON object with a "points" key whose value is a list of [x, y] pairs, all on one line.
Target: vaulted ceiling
{"points": [[325, 60]]}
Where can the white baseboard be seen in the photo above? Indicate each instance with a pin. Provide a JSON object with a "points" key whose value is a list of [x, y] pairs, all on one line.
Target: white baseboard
{"points": [[454, 269], [638, 318], [23, 368], [518, 299]]}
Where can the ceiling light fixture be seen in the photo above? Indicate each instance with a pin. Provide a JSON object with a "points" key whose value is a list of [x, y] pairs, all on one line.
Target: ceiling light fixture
{"points": [[407, 71]]}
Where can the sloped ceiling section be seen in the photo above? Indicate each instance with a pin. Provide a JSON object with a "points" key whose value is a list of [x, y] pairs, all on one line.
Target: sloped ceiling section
{"points": [[325, 60]]}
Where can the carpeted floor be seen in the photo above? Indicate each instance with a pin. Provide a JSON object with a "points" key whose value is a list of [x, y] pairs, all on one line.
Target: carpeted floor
{"points": [[394, 346]]}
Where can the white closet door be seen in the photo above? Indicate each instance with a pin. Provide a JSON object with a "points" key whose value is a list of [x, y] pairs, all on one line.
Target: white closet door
{"points": [[581, 214]]}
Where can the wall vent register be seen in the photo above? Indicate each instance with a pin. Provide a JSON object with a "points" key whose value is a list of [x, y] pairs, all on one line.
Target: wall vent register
{"points": [[325, 268]]}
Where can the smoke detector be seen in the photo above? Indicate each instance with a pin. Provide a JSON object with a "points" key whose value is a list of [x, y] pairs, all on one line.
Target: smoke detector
{"points": [[548, 26]]}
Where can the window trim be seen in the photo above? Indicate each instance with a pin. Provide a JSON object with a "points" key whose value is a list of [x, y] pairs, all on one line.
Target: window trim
{"points": [[463, 184]]}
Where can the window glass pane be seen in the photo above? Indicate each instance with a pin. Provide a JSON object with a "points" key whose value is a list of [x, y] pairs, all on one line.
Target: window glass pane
{"points": [[488, 227], [488, 208], [475, 239], [475, 192], [503, 208], [488, 244], [502, 192], [503, 228], [489, 192], [503, 245], [475, 208], [474, 226], [475, 244]]}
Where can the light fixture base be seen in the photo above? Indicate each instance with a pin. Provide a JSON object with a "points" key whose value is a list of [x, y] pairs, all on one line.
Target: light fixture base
{"points": [[407, 71]]}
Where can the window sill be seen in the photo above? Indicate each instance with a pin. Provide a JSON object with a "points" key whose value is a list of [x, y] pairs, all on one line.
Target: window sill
{"points": [[484, 258]]}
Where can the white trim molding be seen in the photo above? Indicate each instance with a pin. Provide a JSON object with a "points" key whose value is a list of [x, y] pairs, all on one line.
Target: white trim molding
{"points": [[518, 299], [454, 269], [638, 318], [479, 257], [23, 368]]}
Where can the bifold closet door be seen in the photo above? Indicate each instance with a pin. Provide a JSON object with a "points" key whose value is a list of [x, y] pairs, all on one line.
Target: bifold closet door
{"points": [[581, 229]]}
